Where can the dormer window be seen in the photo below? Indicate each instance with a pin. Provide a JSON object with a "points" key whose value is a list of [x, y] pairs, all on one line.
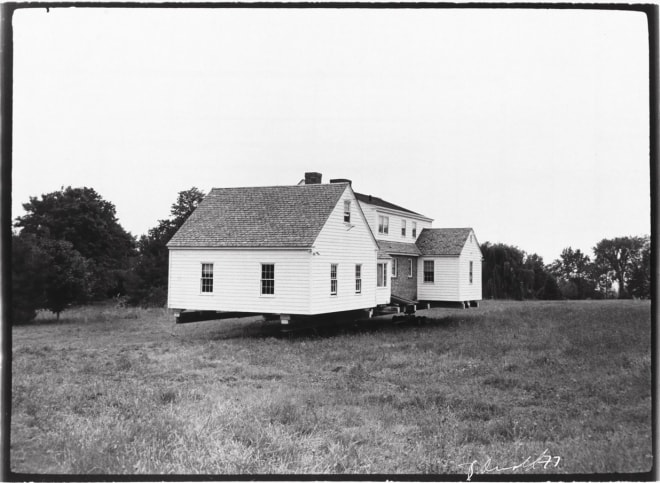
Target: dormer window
{"points": [[347, 211], [383, 224]]}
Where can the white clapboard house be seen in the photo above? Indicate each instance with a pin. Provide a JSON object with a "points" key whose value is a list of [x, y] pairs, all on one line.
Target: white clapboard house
{"points": [[312, 249]]}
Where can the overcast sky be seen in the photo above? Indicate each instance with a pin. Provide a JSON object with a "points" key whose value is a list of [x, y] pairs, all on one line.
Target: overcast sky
{"points": [[531, 126]]}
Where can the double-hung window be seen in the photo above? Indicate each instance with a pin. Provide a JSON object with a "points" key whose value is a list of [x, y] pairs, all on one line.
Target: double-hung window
{"points": [[414, 229], [410, 268], [381, 275], [347, 211], [403, 227], [383, 224], [358, 278], [429, 275], [471, 271], [206, 282], [333, 279], [395, 266], [267, 279]]}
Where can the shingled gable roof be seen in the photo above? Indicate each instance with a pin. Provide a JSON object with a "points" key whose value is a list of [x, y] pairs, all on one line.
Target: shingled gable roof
{"points": [[260, 217], [373, 200], [442, 241]]}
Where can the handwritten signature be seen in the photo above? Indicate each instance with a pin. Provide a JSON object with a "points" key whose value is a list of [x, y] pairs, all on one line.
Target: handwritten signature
{"points": [[544, 459]]}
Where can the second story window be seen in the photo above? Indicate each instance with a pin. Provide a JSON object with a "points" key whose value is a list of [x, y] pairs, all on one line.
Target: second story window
{"points": [[347, 211], [414, 229], [383, 224], [403, 227], [333, 279], [207, 278]]}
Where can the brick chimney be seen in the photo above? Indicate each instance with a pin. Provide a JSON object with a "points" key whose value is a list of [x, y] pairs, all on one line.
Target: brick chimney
{"points": [[341, 180], [312, 178]]}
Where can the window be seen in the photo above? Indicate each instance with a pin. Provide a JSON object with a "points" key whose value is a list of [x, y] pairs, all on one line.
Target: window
{"points": [[267, 279], [395, 267], [333, 279], [470, 271], [403, 227], [347, 211], [410, 268], [428, 271], [381, 275], [383, 224], [358, 278], [207, 278], [414, 229]]}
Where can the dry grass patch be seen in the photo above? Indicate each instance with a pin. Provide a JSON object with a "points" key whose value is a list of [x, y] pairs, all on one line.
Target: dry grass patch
{"points": [[125, 391]]}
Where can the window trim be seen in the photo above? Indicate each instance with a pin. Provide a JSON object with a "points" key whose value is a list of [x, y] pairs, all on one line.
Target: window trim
{"points": [[425, 271], [262, 279], [358, 278], [202, 278], [410, 268], [334, 267]]}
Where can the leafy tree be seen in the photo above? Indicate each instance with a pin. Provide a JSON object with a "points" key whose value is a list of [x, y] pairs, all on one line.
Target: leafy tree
{"points": [[573, 270], [66, 276], [46, 274], [620, 255], [640, 276], [83, 218], [148, 282], [28, 267]]}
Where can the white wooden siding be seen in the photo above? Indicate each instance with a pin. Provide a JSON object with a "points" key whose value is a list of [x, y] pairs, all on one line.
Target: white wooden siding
{"points": [[372, 213], [237, 280], [445, 284], [345, 244], [470, 252]]}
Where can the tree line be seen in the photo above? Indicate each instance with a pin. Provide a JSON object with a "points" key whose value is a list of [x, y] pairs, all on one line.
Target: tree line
{"points": [[620, 267], [69, 248]]}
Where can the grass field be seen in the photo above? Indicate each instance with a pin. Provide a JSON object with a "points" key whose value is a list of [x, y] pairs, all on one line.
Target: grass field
{"points": [[120, 390]]}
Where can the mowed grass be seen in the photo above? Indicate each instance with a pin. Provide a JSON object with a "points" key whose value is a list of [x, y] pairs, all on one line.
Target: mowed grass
{"points": [[114, 391]]}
